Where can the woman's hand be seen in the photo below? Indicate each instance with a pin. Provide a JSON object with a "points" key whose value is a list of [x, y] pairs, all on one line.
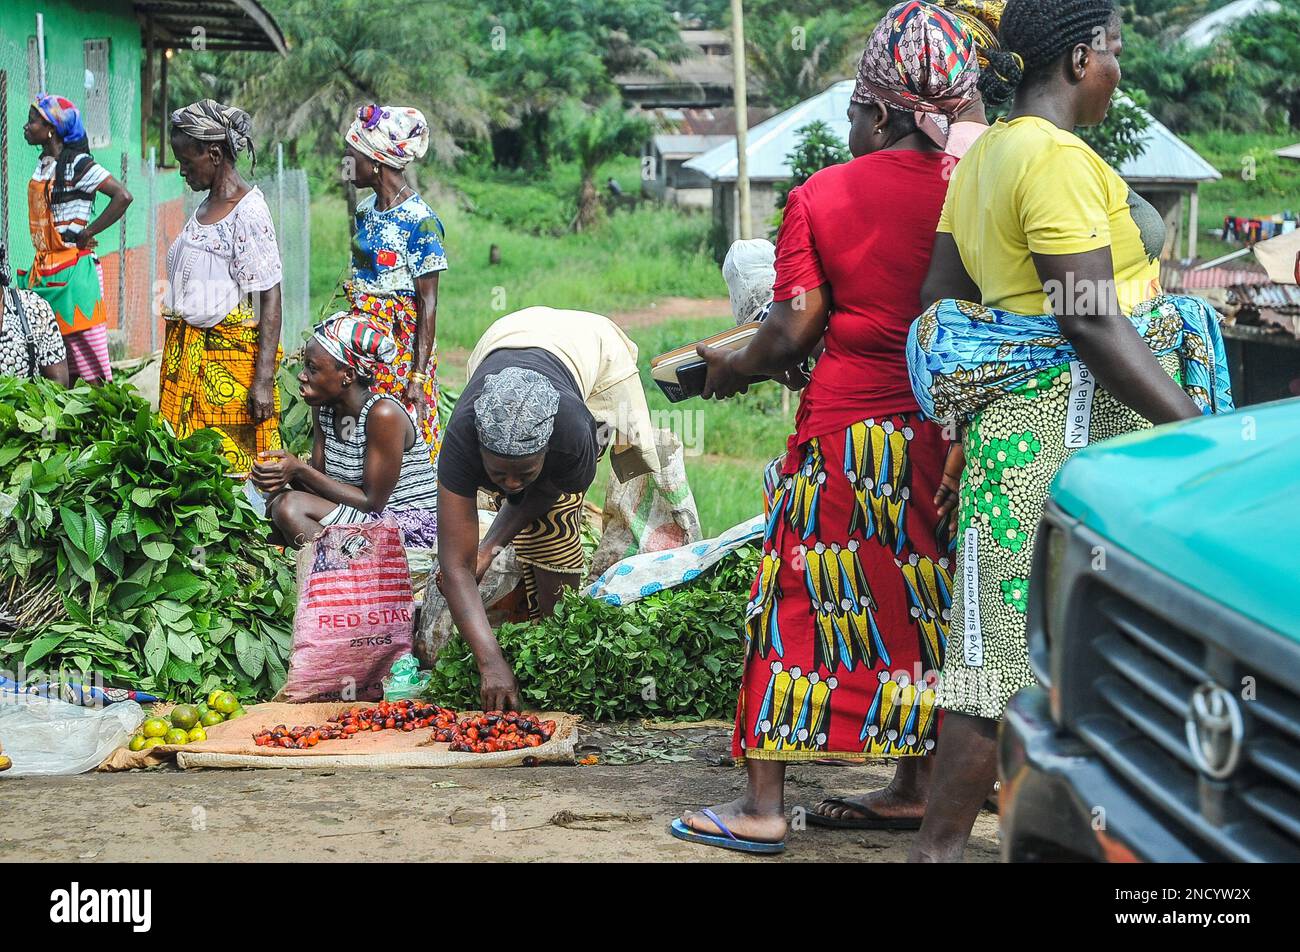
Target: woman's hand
{"points": [[261, 399], [86, 241], [486, 555], [949, 492], [274, 470], [498, 689], [722, 381]]}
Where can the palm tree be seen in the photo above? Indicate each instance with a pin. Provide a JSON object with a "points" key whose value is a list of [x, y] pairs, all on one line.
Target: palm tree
{"points": [[593, 137]]}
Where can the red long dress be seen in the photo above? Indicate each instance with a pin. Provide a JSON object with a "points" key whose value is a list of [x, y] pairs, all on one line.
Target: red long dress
{"points": [[848, 618]]}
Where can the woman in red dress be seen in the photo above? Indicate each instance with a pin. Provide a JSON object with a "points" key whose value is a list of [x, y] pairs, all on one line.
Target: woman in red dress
{"points": [[847, 621]]}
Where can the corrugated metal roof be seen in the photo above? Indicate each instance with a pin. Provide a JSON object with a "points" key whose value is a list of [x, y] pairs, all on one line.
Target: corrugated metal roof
{"points": [[1166, 157], [1173, 278], [678, 144]]}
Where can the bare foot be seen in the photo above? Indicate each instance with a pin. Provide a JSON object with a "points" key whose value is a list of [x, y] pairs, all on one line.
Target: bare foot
{"points": [[877, 803], [759, 827]]}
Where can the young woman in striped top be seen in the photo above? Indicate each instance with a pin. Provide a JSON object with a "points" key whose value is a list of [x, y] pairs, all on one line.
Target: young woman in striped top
{"points": [[61, 206], [368, 458]]}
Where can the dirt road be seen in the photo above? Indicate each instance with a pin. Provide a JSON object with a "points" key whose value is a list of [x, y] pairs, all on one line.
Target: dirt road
{"points": [[617, 810]]}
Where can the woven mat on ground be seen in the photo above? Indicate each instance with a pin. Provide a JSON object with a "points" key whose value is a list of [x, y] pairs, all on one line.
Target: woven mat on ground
{"points": [[230, 744]]}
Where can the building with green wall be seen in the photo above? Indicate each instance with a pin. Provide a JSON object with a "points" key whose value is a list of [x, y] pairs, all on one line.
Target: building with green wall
{"points": [[110, 58]]}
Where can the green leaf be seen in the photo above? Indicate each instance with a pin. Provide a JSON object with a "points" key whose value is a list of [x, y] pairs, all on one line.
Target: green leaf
{"points": [[249, 652], [145, 498], [155, 652], [158, 551], [74, 527], [96, 533], [41, 647], [179, 646]]}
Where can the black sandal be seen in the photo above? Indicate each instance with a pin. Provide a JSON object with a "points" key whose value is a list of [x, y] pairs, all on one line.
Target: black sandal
{"points": [[867, 820]]}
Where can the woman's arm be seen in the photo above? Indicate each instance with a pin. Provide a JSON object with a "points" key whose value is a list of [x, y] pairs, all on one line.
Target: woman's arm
{"points": [[947, 277], [119, 199], [792, 330], [426, 327], [261, 395], [57, 372], [457, 552], [1105, 339]]}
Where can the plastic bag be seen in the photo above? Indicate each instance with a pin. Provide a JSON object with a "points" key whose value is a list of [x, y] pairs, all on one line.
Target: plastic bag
{"points": [[405, 680], [47, 737], [648, 513]]}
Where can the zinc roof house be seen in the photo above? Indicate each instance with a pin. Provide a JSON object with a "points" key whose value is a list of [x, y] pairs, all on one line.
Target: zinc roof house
{"points": [[1167, 173]]}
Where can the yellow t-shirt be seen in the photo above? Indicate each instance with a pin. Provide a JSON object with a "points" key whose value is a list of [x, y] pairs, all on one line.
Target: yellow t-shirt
{"points": [[1027, 186]]}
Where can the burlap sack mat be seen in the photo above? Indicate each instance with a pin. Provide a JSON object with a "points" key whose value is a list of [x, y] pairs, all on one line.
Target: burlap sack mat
{"points": [[230, 744]]}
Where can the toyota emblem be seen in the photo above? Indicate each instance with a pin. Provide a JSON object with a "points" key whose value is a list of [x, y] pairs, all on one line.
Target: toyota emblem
{"points": [[1214, 731]]}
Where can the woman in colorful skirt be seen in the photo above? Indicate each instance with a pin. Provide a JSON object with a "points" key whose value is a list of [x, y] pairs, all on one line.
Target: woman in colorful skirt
{"points": [[847, 621], [1049, 333], [222, 299], [60, 203], [397, 256]]}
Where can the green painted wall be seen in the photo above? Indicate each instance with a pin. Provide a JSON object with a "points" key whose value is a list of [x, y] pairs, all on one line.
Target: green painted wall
{"points": [[68, 24]]}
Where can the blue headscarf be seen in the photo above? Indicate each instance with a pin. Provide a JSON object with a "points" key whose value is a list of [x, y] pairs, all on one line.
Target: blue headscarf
{"points": [[62, 115]]}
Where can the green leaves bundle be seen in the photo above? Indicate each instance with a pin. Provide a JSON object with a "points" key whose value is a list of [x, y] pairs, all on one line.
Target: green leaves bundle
{"points": [[675, 654], [127, 552]]}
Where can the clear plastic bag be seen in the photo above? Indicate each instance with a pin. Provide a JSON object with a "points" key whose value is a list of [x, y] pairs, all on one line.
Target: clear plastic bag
{"points": [[47, 737]]}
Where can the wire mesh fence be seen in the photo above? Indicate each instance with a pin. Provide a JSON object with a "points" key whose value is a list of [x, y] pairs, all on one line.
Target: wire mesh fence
{"points": [[133, 252]]}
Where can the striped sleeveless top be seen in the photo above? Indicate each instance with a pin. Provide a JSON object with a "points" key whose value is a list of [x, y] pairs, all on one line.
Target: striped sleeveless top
{"points": [[345, 460]]}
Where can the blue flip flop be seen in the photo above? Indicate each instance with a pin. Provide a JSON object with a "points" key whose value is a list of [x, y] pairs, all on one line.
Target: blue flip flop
{"points": [[730, 841]]}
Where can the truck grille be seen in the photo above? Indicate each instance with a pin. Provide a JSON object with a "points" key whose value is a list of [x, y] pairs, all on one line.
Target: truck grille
{"points": [[1143, 671]]}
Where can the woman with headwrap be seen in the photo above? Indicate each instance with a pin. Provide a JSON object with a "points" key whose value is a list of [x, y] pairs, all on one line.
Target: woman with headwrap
{"points": [[549, 391], [1048, 332], [397, 256], [221, 302], [60, 202], [368, 457], [847, 621]]}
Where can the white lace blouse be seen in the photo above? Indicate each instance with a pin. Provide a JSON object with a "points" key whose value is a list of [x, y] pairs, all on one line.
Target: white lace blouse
{"points": [[210, 268]]}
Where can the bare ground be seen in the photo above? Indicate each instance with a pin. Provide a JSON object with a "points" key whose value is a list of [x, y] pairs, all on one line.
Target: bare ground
{"points": [[616, 810]]}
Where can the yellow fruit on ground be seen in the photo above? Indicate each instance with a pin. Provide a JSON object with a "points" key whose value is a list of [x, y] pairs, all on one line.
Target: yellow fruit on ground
{"points": [[5, 762], [197, 734], [177, 736], [225, 703], [212, 698], [210, 718], [237, 712], [137, 742], [184, 716], [153, 742], [155, 727]]}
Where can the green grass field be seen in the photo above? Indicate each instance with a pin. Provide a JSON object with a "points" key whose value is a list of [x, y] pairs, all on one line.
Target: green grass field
{"points": [[631, 259], [1274, 187]]}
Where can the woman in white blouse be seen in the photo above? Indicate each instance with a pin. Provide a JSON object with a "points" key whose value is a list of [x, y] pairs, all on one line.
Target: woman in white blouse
{"points": [[222, 298]]}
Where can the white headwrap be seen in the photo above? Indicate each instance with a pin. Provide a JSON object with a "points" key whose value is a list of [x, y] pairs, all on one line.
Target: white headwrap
{"points": [[750, 273], [393, 135]]}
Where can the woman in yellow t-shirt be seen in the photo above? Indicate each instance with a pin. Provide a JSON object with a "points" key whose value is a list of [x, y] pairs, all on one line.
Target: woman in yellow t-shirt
{"points": [[1071, 342]]}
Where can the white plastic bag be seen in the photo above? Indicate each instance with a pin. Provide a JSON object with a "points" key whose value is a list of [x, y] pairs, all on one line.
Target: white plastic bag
{"points": [[47, 737]]}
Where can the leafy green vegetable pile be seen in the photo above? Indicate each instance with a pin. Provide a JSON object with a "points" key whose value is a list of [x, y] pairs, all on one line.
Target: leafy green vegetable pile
{"points": [[129, 553], [677, 653]]}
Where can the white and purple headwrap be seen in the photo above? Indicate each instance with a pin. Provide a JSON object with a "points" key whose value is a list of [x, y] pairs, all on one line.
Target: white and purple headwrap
{"points": [[393, 135]]}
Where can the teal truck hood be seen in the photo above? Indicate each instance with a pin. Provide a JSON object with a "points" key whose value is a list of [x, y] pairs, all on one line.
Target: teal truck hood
{"points": [[1213, 503]]}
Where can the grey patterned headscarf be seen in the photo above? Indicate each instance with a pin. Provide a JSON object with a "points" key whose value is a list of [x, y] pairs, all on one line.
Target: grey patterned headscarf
{"points": [[210, 121], [515, 412]]}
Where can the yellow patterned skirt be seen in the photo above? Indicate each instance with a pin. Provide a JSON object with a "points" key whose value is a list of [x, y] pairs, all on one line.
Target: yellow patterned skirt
{"points": [[205, 378]]}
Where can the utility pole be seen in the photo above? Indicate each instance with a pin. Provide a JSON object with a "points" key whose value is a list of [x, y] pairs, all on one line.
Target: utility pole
{"points": [[742, 118]]}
